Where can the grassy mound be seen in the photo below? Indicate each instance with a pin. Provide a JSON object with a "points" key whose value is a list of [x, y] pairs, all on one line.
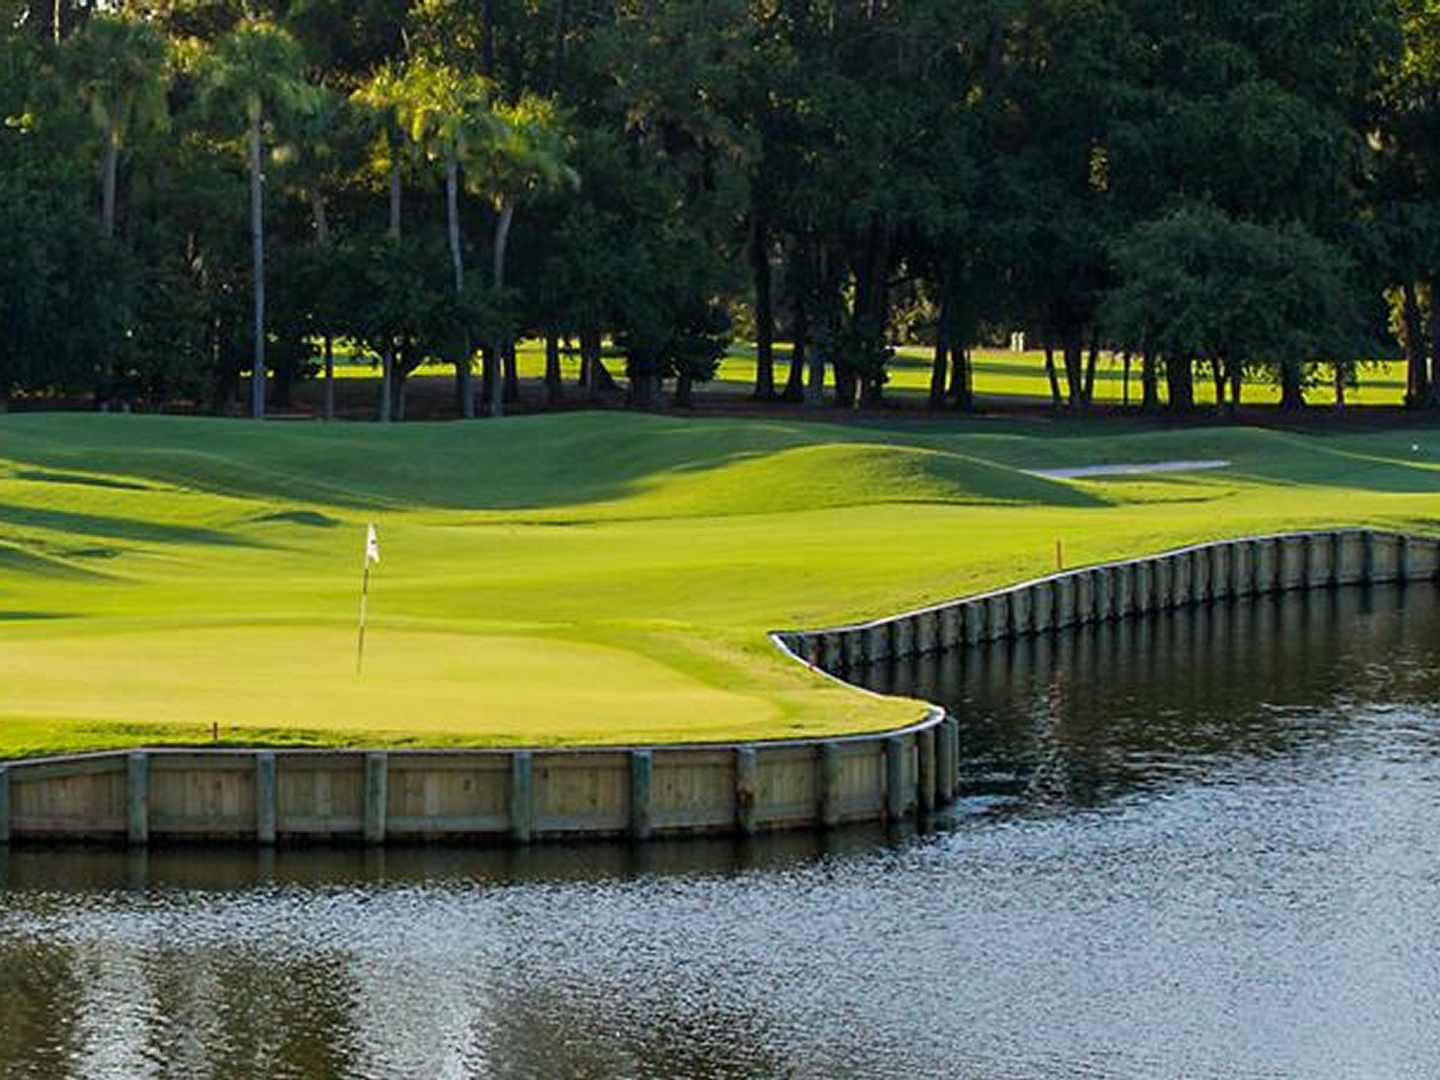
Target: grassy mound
{"points": [[588, 578]]}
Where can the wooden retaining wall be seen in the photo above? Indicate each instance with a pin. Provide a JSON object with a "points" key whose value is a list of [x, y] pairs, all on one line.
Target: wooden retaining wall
{"points": [[1202, 573], [377, 797], [265, 796]]}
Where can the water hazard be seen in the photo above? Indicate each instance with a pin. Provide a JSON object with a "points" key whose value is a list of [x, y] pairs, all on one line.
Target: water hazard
{"points": [[1205, 844]]}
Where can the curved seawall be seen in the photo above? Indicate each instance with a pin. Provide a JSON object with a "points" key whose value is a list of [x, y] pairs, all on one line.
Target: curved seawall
{"points": [[522, 795], [1202, 573]]}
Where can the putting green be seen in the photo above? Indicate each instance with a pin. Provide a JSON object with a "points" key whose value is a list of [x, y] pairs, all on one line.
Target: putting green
{"points": [[590, 578]]}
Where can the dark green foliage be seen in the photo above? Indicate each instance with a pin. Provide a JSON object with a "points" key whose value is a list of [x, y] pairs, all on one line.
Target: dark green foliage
{"points": [[1219, 186]]}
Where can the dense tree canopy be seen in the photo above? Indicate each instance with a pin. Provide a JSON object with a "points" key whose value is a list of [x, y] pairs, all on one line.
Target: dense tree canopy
{"points": [[1239, 188]]}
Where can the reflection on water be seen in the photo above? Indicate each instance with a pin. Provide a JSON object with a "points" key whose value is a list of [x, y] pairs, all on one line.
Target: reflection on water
{"points": [[1204, 845]]}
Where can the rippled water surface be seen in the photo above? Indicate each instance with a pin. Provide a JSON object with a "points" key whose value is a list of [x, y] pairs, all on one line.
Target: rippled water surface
{"points": [[1202, 845]]}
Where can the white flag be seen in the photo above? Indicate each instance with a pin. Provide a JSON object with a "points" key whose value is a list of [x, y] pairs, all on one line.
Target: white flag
{"points": [[372, 546]]}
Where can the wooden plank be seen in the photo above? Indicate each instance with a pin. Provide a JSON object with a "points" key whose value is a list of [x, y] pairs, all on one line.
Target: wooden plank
{"points": [[522, 797], [137, 799], [747, 789], [376, 796], [642, 774], [265, 798]]}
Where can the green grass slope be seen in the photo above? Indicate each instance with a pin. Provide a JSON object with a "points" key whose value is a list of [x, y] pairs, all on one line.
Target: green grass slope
{"points": [[553, 580]]}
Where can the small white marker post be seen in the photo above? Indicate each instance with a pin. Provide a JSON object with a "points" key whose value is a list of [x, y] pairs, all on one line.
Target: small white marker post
{"points": [[372, 556]]}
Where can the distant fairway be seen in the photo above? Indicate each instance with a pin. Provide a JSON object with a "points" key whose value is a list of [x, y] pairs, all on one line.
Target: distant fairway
{"points": [[583, 578], [1000, 378]]}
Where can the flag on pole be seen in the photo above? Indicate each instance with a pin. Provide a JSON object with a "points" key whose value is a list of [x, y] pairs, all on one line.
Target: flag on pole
{"points": [[372, 556], [372, 546]]}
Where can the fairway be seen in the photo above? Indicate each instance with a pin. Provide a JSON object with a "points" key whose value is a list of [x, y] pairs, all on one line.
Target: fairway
{"points": [[590, 578]]}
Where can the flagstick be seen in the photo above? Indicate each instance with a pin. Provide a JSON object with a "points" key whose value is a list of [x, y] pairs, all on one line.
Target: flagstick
{"points": [[364, 600]]}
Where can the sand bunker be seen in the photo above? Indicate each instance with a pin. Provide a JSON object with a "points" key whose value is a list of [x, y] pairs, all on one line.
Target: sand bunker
{"points": [[1086, 471]]}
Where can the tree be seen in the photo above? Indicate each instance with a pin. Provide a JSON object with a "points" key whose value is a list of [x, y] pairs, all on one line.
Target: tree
{"points": [[527, 159], [447, 112], [1201, 284], [256, 72], [119, 69]]}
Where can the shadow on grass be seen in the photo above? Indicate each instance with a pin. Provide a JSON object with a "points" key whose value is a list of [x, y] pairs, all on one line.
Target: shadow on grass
{"points": [[115, 528], [44, 476], [22, 561]]}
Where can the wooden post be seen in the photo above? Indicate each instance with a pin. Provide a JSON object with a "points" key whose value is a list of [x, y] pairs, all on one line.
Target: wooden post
{"points": [[4, 804], [642, 771], [945, 764], [265, 798], [896, 797], [137, 801], [522, 796], [925, 744], [746, 789], [377, 777], [831, 772]]}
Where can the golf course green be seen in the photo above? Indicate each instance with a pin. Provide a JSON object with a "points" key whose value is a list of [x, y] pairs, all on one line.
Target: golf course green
{"points": [[573, 579]]}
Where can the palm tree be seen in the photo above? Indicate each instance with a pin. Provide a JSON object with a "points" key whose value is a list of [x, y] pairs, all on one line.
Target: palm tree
{"points": [[321, 147], [527, 158], [120, 71], [384, 98], [257, 70], [447, 113]]}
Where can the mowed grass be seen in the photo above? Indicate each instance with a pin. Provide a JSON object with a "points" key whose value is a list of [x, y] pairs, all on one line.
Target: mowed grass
{"points": [[586, 578]]}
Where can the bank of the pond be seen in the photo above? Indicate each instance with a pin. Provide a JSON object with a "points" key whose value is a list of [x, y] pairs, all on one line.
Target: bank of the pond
{"points": [[579, 580]]}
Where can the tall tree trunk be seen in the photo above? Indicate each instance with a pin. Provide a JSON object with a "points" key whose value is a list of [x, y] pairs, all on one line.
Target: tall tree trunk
{"points": [[764, 308], [939, 368], [940, 361], [1056, 401], [1219, 377], [322, 241], [320, 217], [503, 223], [1074, 345], [510, 365], [1292, 394], [554, 387], [815, 378], [1340, 374], [110, 167], [457, 268], [387, 361], [962, 378], [1237, 383], [395, 195], [387, 378], [684, 392], [1180, 379], [590, 364], [1432, 390], [257, 263], [800, 343], [1149, 381], [1092, 361], [847, 384], [1417, 381], [1127, 358], [329, 346]]}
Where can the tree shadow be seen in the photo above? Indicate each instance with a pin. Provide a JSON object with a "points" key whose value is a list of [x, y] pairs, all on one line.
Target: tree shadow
{"points": [[115, 528]]}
